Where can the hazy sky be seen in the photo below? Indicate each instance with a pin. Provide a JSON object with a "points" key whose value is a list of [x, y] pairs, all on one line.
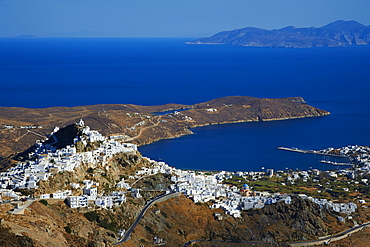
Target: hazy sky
{"points": [[169, 18]]}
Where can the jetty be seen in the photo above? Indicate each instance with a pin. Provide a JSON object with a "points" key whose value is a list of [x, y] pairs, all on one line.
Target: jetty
{"points": [[298, 150], [311, 152], [335, 163]]}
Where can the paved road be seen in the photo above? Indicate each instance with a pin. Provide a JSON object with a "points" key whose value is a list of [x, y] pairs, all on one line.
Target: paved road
{"points": [[140, 216], [226, 241], [22, 207], [332, 238]]}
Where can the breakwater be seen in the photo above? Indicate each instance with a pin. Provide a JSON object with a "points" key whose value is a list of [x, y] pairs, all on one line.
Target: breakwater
{"points": [[311, 152]]}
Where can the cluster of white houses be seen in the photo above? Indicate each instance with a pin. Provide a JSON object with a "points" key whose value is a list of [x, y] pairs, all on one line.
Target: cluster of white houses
{"points": [[204, 188], [346, 208], [90, 194], [26, 175], [360, 155]]}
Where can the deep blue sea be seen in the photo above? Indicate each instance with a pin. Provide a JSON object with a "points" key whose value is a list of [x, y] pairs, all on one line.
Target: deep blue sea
{"points": [[79, 71]]}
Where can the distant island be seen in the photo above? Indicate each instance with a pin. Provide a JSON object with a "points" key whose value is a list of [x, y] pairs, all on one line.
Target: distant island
{"points": [[24, 36], [336, 34]]}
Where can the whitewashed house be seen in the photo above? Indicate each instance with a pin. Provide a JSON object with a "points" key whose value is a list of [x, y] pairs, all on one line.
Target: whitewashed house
{"points": [[76, 201], [90, 193], [104, 201]]}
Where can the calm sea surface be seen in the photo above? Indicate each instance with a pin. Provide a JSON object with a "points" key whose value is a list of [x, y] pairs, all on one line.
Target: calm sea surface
{"points": [[70, 72]]}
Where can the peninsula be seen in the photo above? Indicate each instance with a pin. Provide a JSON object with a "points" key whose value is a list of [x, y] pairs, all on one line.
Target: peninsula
{"points": [[140, 125], [335, 34]]}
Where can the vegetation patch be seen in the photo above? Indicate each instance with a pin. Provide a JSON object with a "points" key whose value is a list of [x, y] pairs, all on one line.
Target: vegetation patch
{"points": [[91, 216], [68, 229], [43, 201]]}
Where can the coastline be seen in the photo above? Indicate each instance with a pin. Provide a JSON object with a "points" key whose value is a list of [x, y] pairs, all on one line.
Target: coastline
{"points": [[188, 131]]}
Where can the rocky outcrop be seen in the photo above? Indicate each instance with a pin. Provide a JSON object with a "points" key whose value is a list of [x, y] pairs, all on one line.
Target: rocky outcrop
{"points": [[129, 161], [106, 175], [298, 221], [10, 239]]}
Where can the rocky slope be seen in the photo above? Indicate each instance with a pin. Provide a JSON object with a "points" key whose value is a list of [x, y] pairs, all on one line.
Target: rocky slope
{"points": [[46, 226], [179, 220], [55, 224], [338, 33]]}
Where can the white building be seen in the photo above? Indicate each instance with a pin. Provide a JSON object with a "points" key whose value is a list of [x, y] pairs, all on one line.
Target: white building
{"points": [[90, 192], [76, 201], [104, 201]]}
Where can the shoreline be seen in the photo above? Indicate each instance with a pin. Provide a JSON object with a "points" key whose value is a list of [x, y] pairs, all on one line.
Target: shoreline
{"points": [[190, 132]]}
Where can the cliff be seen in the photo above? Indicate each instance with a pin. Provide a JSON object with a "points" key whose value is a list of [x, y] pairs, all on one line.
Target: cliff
{"points": [[338, 33]]}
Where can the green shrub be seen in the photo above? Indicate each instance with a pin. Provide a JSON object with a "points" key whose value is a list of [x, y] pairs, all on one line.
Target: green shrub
{"points": [[108, 225], [104, 223], [164, 214], [91, 216], [68, 229], [149, 229], [43, 201]]}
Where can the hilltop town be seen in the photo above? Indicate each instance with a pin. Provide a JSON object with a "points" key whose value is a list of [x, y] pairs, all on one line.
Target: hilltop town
{"points": [[79, 172]]}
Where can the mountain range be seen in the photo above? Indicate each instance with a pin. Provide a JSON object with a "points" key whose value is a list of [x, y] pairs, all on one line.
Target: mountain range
{"points": [[336, 34]]}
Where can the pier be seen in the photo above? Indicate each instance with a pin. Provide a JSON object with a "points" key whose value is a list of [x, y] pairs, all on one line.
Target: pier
{"points": [[311, 152], [335, 163]]}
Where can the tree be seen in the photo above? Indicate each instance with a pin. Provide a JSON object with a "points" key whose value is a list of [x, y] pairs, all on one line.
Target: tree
{"points": [[43, 201]]}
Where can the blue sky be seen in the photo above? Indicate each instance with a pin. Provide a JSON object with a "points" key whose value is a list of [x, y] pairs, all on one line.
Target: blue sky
{"points": [[168, 18]]}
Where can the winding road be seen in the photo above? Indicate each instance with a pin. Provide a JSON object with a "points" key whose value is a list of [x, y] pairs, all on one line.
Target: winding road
{"points": [[332, 238], [127, 234], [326, 240], [142, 129]]}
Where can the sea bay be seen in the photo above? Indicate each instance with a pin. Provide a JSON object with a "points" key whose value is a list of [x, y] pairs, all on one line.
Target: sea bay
{"points": [[69, 72]]}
